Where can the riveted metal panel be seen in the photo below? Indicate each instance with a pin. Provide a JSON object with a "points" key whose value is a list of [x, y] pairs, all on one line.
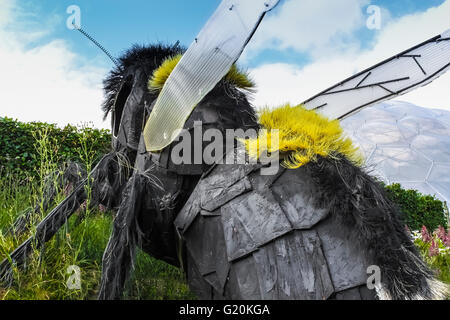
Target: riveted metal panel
{"points": [[252, 220]]}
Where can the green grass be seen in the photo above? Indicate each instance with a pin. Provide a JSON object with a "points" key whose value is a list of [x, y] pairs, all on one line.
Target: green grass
{"points": [[77, 244], [80, 242]]}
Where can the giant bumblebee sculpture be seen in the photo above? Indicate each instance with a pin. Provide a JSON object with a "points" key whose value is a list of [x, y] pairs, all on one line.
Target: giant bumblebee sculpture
{"points": [[314, 228]]}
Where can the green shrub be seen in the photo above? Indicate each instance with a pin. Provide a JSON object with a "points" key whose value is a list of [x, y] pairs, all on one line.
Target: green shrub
{"points": [[435, 250], [18, 152], [80, 242], [418, 209]]}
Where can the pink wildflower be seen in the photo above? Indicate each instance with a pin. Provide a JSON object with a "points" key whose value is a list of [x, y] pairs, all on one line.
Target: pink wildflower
{"points": [[425, 235], [441, 233], [446, 240], [434, 249]]}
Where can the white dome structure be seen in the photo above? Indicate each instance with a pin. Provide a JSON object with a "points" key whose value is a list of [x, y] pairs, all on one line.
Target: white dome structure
{"points": [[405, 144]]}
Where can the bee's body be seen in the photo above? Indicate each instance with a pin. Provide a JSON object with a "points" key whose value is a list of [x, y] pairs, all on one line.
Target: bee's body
{"points": [[305, 233]]}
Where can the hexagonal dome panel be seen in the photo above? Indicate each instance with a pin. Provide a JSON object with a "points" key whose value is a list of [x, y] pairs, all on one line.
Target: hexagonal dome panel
{"points": [[400, 163], [405, 143]]}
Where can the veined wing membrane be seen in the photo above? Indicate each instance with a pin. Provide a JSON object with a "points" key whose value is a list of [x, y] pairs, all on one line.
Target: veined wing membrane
{"points": [[400, 74], [218, 45]]}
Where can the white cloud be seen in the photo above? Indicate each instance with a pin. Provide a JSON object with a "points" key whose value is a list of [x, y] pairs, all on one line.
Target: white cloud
{"points": [[48, 82], [279, 83], [316, 26]]}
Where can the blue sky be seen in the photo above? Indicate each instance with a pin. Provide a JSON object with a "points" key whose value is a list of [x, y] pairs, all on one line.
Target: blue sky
{"points": [[118, 24], [306, 45]]}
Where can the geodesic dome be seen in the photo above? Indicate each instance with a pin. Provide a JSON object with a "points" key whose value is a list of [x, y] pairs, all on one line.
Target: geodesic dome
{"points": [[405, 144]]}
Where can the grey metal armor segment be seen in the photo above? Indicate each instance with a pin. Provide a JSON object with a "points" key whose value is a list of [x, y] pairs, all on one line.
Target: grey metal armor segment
{"points": [[251, 221], [266, 243], [347, 263], [295, 193], [294, 267]]}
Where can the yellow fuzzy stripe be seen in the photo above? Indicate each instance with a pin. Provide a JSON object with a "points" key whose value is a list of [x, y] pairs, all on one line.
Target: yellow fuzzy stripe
{"points": [[302, 136], [235, 76]]}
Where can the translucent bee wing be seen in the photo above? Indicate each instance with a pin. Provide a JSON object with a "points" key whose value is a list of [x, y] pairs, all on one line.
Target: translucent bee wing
{"points": [[210, 56], [388, 79]]}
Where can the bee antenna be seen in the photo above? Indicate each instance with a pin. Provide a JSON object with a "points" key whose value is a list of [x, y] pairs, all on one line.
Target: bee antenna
{"points": [[87, 35]]}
